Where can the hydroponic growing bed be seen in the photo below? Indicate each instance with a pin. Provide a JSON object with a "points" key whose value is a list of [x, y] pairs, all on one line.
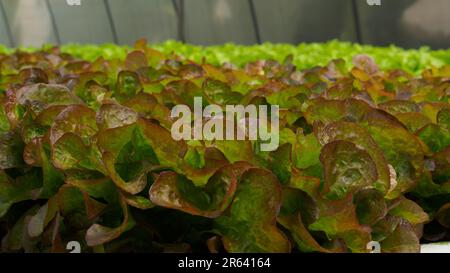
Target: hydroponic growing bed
{"points": [[87, 153]]}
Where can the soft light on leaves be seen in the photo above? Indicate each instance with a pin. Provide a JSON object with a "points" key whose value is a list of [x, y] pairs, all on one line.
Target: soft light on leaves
{"points": [[115, 115], [76, 119], [41, 96], [404, 153], [347, 169], [410, 211], [251, 223], [359, 136]]}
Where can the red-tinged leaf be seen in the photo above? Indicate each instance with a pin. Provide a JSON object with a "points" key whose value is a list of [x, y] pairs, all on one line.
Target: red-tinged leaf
{"points": [[69, 152], [142, 103], [358, 135], [127, 156], [52, 178], [220, 93], [395, 107], [113, 139], [343, 224], [41, 96], [201, 163], [134, 186], [165, 192], [251, 223], [33, 75], [410, 211], [174, 191], [135, 60], [98, 234], [183, 92], [403, 151], [309, 184], [385, 227], [168, 151], [115, 115], [413, 121], [190, 71], [402, 240], [370, 206], [76, 119], [297, 212], [347, 169], [137, 201], [49, 114], [328, 111], [301, 235], [365, 63]]}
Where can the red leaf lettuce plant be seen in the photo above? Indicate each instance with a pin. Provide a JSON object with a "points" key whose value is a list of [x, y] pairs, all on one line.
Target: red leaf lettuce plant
{"points": [[86, 155]]}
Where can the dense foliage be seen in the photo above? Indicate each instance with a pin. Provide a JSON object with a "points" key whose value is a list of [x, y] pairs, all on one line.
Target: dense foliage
{"points": [[305, 56], [86, 155]]}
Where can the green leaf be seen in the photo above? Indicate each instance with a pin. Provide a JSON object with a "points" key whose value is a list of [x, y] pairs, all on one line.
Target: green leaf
{"points": [[251, 223], [370, 206], [410, 211], [177, 192], [98, 234], [298, 211], [306, 151], [128, 85], [280, 162]]}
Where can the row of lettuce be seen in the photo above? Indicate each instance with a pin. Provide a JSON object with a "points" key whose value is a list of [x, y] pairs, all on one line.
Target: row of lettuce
{"points": [[86, 155], [306, 55]]}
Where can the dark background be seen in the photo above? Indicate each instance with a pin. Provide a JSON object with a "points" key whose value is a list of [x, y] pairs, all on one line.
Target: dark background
{"points": [[406, 23]]}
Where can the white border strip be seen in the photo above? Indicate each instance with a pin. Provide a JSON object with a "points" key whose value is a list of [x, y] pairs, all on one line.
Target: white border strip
{"points": [[435, 248]]}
